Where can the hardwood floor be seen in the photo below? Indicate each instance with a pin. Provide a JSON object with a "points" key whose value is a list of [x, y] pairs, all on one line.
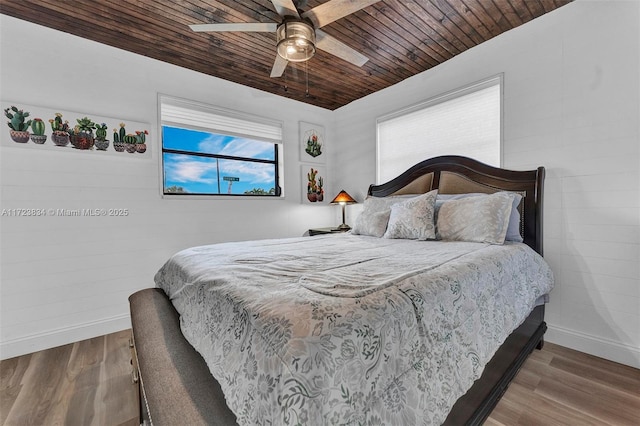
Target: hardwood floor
{"points": [[560, 386], [89, 383], [80, 384]]}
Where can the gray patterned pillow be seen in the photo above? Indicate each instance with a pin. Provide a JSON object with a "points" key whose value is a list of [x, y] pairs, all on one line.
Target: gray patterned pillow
{"points": [[413, 218], [371, 222], [482, 219], [375, 215], [513, 230]]}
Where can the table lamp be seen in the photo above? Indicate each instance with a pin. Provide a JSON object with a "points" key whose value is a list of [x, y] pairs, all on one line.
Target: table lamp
{"points": [[343, 199]]}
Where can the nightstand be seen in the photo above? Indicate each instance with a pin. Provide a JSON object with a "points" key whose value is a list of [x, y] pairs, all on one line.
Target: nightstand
{"points": [[321, 231]]}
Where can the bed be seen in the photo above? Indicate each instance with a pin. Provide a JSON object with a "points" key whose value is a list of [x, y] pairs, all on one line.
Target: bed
{"points": [[343, 327]]}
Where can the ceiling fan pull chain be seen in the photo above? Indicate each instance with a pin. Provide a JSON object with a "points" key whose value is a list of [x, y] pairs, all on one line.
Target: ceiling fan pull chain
{"points": [[306, 72], [284, 76]]}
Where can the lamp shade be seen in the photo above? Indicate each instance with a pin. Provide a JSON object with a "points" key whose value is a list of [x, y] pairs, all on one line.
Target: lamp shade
{"points": [[343, 198]]}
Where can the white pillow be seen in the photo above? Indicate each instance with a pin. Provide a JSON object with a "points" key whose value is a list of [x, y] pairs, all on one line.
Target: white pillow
{"points": [[413, 218], [483, 218], [375, 215]]}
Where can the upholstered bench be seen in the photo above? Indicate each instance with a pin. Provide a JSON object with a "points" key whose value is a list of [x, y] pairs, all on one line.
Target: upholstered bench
{"points": [[176, 386]]}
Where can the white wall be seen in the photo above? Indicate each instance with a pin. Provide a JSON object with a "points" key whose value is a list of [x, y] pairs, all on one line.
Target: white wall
{"points": [[63, 279], [571, 93]]}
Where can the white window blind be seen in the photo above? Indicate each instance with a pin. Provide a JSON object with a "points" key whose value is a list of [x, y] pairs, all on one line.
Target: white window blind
{"points": [[464, 122], [192, 115]]}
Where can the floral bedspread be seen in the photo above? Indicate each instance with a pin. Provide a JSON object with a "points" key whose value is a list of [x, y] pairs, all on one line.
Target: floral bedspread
{"points": [[348, 329]]}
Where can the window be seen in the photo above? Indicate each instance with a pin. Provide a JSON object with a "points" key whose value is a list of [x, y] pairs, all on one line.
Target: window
{"points": [[211, 151], [467, 122]]}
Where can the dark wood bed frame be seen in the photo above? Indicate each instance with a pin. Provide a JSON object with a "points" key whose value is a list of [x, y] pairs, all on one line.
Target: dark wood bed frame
{"points": [[176, 386]]}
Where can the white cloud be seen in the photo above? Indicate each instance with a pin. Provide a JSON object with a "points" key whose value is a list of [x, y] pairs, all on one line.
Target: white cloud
{"points": [[254, 172], [212, 144], [187, 170], [235, 146]]}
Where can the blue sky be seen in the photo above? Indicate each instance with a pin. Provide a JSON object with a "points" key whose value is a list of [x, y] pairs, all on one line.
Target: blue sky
{"points": [[200, 174]]}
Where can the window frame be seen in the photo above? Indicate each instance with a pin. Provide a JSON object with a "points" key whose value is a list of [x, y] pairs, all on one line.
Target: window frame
{"points": [[497, 79], [222, 113]]}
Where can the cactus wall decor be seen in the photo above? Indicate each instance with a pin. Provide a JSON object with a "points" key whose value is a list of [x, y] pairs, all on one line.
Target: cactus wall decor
{"points": [[73, 131], [312, 143], [313, 182]]}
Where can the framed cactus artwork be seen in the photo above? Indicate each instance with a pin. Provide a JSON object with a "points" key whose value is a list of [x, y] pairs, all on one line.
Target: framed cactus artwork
{"points": [[313, 180], [56, 129], [312, 143]]}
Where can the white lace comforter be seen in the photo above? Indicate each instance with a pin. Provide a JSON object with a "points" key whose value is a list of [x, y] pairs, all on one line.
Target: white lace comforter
{"points": [[347, 329]]}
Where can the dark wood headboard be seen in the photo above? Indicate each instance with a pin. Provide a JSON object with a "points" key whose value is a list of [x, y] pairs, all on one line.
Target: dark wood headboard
{"points": [[454, 174]]}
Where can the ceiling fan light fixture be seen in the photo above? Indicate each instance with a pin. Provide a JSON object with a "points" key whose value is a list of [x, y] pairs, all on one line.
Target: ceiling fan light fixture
{"points": [[296, 40]]}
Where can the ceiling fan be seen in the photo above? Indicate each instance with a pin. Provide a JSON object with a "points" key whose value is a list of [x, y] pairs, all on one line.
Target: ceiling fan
{"points": [[298, 35]]}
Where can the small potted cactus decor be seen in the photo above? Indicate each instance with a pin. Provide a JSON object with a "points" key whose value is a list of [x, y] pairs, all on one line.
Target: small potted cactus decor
{"points": [[19, 128], [82, 134], [118, 143], [60, 135], [38, 127], [128, 139], [141, 138], [130, 143], [119, 135], [101, 137]]}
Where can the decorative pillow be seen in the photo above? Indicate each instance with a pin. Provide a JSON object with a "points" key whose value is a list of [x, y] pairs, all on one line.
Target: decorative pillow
{"points": [[371, 222], [513, 230], [482, 218], [375, 215], [413, 218]]}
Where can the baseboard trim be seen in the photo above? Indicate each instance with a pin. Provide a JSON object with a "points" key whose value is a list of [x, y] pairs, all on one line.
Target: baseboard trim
{"points": [[62, 336], [603, 348]]}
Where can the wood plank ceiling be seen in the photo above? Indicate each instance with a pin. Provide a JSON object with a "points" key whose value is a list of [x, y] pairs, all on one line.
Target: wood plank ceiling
{"points": [[400, 38]]}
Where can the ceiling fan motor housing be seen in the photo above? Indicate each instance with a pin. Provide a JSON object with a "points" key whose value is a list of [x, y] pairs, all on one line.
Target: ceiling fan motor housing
{"points": [[296, 40]]}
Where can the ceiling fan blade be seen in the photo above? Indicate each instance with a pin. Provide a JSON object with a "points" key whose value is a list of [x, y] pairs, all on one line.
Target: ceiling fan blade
{"points": [[333, 10], [278, 66], [285, 8], [337, 48], [241, 26]]}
